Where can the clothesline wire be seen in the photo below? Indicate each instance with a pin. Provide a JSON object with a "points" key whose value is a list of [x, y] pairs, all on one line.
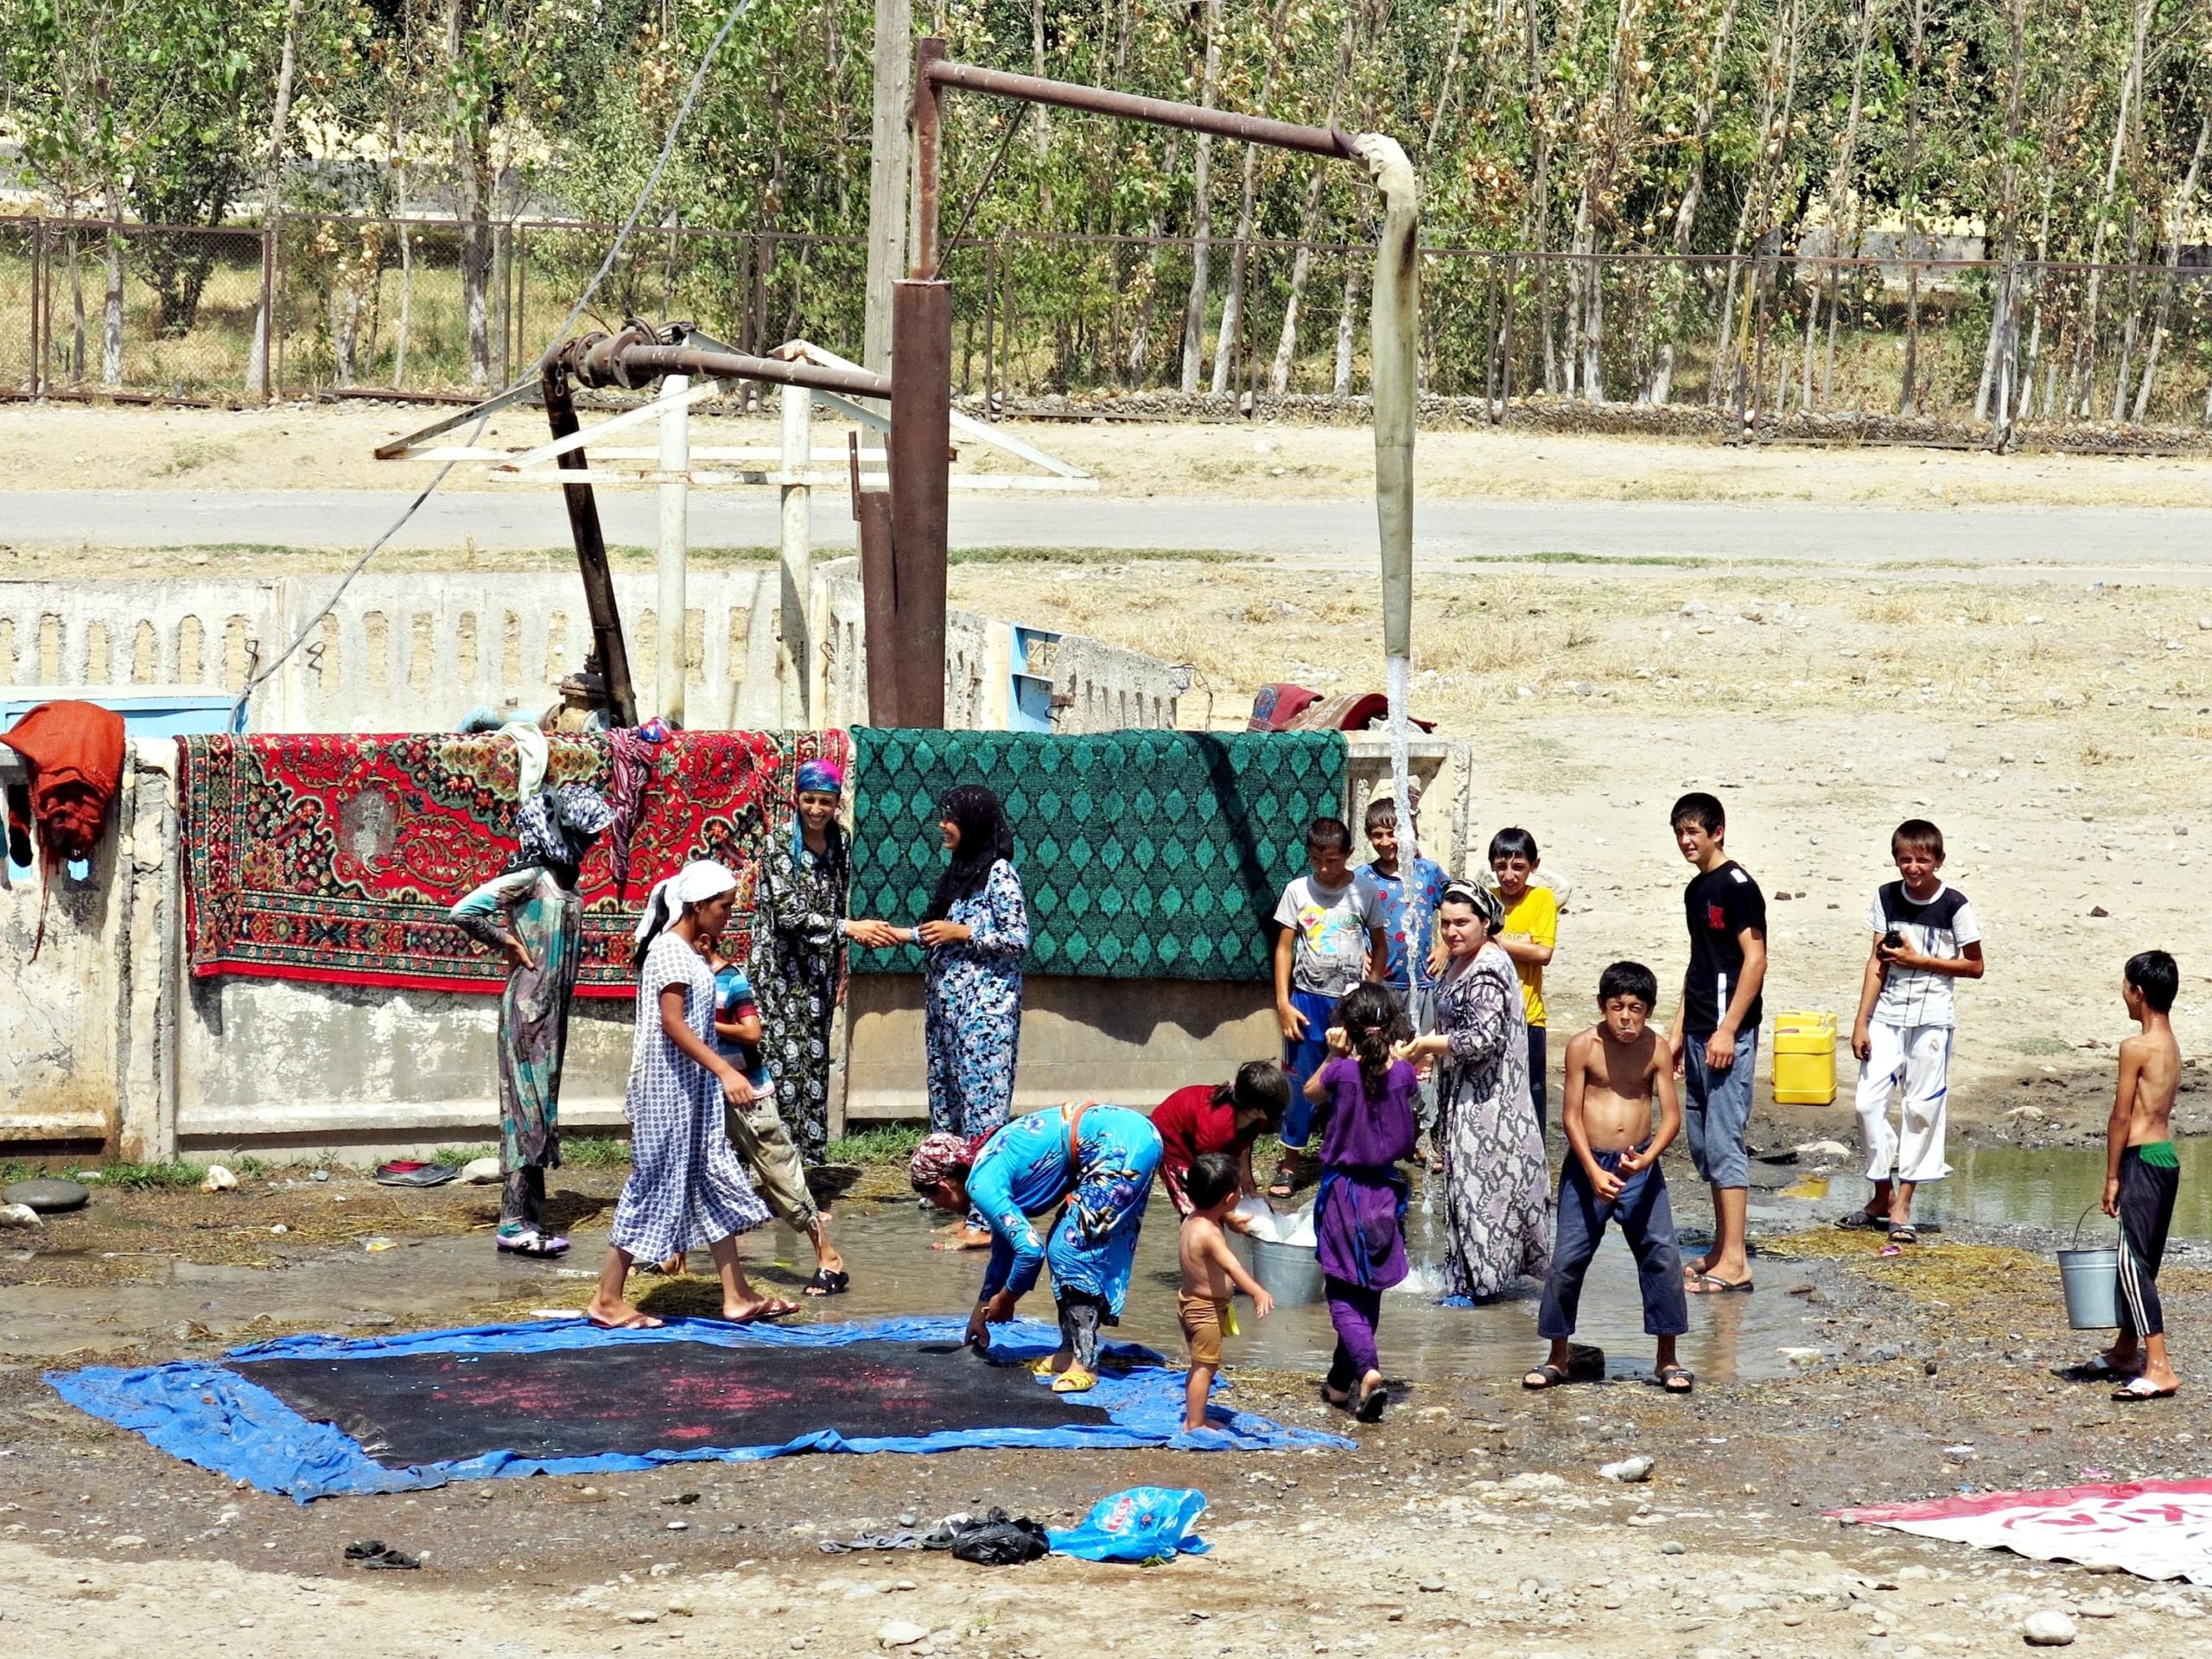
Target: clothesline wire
{"points": [[575, 311]]}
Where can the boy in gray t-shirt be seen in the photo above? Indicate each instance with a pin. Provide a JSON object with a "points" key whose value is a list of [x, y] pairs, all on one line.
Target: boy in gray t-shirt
{"points": [[1330, 940]]}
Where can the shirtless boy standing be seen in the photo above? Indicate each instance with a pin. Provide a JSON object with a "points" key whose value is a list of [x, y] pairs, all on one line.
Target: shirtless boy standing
{"points": [[1614, 1071], [2142, 1176]]}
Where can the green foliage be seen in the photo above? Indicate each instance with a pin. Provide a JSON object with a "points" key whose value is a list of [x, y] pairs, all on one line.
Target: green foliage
{"points": [[891, 1143]]}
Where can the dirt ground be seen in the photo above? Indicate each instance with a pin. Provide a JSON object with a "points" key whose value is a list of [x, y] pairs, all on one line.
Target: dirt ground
{"points": [[77, 447], [1471, 1522]]}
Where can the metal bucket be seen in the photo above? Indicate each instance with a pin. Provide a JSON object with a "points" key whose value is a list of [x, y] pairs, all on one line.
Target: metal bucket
{"points": [[2091, 1279], [1289, 1273]]}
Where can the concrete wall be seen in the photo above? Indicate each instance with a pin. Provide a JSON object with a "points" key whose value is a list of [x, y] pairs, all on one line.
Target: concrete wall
{"points": [[1130, 1042], [410, 653]]}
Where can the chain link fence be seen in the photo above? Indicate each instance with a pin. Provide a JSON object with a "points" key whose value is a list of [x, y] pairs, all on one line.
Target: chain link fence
{"points": [[324, 304]]}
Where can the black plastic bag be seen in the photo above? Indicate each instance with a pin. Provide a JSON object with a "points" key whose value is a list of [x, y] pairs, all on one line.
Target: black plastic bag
{"points": [[1002, 1543]]}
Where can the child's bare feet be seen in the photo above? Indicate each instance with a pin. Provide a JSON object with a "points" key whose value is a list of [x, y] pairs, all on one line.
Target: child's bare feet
{"points": [[674, 1265], [1074, 1380], [1052, 1364], [618, 1315]]}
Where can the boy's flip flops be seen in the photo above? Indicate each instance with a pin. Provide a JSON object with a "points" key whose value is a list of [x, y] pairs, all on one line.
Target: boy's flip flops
{"points": [[1707, 1284], [2136, 1389]]}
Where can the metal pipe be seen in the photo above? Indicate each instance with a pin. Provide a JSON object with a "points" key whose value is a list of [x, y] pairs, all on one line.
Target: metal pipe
{"points": [[675, 548], [631, 357], [929, 56], [795, 658], [921, 441], [607, 649], [1095, 100]]}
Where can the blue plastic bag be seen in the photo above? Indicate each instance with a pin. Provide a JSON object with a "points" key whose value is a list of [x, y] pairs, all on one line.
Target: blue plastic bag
{"points": [[1145, 1524]]}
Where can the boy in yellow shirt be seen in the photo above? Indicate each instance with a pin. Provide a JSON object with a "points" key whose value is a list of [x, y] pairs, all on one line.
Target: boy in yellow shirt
{"points": [[1529, 937]]}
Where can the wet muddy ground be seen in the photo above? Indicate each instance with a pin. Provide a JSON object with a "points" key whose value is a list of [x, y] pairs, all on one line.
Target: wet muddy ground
{"points": [[1846, 1377]]}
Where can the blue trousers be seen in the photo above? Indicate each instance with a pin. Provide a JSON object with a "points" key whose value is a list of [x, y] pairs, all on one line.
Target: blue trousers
{"points": [[1646, 1219], [1302, 1060]]}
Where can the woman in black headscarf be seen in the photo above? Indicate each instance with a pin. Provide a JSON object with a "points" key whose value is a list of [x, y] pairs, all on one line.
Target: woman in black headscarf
{"points": [[976, 932]]}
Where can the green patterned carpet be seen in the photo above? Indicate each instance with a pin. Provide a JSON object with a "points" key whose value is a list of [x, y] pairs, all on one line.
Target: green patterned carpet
{"points": [[1145, 855]]}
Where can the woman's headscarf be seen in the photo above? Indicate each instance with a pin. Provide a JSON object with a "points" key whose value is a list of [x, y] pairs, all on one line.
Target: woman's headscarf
{"points": [[699, 881], [1489, 908], [938, 1155], [985, 838], [558, 828], [815, 777]]}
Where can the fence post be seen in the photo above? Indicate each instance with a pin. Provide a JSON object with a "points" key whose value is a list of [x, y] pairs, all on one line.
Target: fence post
{"points": [[518, 257], [38, 300], [268, 305]]}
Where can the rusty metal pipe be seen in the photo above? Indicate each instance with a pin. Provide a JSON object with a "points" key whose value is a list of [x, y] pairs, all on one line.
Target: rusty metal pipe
{"points": [[928, 57], [1161, 112], [613, 361], [921, 438], [607, 649]]}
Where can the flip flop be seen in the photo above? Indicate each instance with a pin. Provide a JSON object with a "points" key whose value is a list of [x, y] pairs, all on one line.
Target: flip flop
{"points": [[1707, 1284], [1667, 1376], [1859, 1221], [826, 1283], [635, 1322], [1374, 1404], [2138, 1390], [1903, 1234], [1553, 1376], [406, 1173], [776, 1307]]}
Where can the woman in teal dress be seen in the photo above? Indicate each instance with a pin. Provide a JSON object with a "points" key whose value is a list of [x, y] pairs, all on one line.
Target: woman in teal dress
{"points": [[1097, 1163], [532, 915]]}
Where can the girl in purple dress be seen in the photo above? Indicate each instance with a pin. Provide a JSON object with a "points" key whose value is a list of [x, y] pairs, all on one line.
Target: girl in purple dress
{"points": [[1370, 1125]]}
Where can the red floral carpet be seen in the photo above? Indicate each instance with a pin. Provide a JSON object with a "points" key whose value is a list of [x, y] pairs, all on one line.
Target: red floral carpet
{"points": [[336, 858]]}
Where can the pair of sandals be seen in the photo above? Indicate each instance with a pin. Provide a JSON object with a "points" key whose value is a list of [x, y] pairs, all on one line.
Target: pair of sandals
{"points": [[1858, 1221], [2132, 1390], [539, 1247], [1673, 1379]]}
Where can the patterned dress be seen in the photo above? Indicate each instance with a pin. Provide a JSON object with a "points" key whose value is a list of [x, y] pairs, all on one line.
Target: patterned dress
{"points": [[797, 967], [1097, 1162], [1496, 1214], [686, 1187], [972, 1003], [533, 1026]]}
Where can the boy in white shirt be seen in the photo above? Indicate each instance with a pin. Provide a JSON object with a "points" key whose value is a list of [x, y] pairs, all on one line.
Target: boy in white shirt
{"points": [[1925, 938]]}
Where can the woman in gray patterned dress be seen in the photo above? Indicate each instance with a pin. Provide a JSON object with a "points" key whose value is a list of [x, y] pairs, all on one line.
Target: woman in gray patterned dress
{"points": [[1496, 1216], [798, 961], [687, 1189]]}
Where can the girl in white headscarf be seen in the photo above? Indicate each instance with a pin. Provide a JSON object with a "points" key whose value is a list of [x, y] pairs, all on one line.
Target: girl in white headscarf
{"points": [[687, 1189]]}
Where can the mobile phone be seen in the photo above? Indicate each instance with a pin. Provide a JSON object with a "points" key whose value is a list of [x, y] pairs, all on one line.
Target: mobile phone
{"points": [[1893, 940]]}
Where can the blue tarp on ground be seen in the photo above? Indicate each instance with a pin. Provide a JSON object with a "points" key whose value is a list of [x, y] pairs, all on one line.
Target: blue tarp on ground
{"points": [[212, 1415]]}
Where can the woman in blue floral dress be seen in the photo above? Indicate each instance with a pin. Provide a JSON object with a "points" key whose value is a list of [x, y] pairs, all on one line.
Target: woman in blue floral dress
{"points": [[976, 932]]}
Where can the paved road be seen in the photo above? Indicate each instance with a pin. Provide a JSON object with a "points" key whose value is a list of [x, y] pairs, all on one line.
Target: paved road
{"points": [[2069, 537]]}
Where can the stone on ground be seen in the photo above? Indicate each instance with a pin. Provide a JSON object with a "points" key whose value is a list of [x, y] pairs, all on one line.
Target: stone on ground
{"points": [[48, 1196]]}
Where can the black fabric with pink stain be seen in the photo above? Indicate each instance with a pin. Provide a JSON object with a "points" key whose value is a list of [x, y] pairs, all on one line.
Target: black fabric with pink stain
{"points": [[656, 1396]]}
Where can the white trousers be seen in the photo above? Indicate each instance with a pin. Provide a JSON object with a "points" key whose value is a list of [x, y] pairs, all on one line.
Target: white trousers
{"points": [[1919, 1058]]}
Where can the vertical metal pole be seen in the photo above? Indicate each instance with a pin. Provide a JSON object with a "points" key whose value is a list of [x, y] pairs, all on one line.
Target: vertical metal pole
{"points": [[675, 539], [609, 654], [921, 442], [795, 658], [519, 253], [927, 167], [268, 307], [38, 302]]}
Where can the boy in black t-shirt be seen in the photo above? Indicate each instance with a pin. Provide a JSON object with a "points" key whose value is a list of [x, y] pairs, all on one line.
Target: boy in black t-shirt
{"points": [[1716, 1032]]}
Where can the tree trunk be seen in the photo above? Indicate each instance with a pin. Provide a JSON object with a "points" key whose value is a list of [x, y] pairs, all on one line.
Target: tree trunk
{"points": [[2000, 357], [1232, 310], [1309, 224], [272, 185], [472, 143], [1756, 198], [1838, 189], [1139, 356], [2183, 199], [406, 289], [2080, 385], [1347, 321], [1540, 190], [77, 310], [112, 342], [1194, 315], [1663, 380], [1915, 60]]}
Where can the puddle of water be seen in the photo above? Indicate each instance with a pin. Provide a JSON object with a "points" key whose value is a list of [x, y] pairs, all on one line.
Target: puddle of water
{"points": [[2050, 1187], [894, 1272]]}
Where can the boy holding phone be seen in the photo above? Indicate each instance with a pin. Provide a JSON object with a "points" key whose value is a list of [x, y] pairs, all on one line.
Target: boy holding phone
{"points": [[1925, 938]]}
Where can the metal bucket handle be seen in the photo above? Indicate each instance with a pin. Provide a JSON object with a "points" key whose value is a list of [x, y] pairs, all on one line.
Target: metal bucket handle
{"points": [[2081, 1222]]}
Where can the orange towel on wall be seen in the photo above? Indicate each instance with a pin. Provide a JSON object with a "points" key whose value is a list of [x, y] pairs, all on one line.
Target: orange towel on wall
{"points": [[75, 752]]}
